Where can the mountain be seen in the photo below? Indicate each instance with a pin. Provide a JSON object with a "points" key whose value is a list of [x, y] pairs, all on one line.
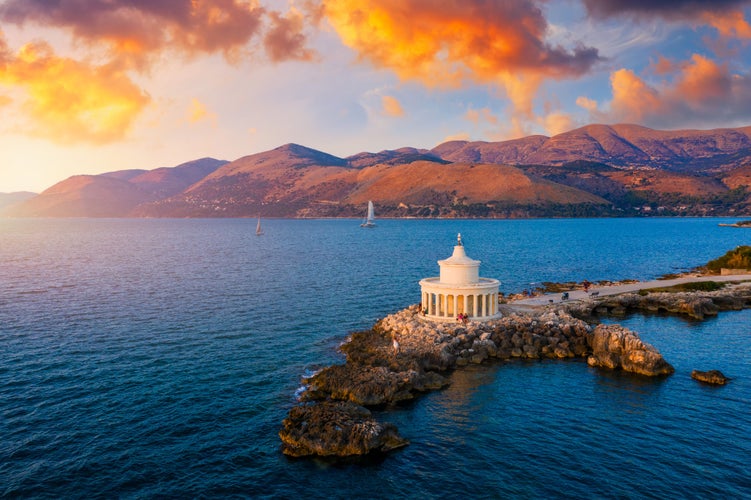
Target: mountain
{"points": [[294, 181], [597, 170], [615, 145], [164, 182], [112, 194], [7, 200]]}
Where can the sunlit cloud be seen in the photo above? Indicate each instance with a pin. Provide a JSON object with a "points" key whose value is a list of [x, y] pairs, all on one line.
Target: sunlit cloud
{"points": [[68, 101], [482, 115], [729, 24], [461, 136], [392, 107], [197, 112], [286, 39], [557, 122], [137, 30], [700, 93], [452, 43], [586, 103]]}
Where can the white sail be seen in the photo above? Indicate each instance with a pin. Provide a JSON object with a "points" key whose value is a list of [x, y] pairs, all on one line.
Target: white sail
{"points": [[370, 219], [259, 231]]}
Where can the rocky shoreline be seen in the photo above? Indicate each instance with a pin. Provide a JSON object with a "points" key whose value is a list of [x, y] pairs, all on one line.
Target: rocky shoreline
{"points": [[694, 304], [404, 355]]}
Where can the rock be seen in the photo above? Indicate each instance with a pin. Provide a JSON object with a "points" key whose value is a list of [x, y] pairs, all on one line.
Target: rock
{"points": [[710, 377], [336, 428], [615, 347], [369, 385]]}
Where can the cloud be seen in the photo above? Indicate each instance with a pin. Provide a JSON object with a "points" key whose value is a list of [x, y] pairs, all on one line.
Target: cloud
{"points": [[461, 136], [701, 93], [391, 106], [198, 112], [729, 24], [454, 42], [668, 9], [557, 123], [586, 103], [726, 16], [69, 101], [285, 38], [138, 29], [447, 43], [483, 115]]}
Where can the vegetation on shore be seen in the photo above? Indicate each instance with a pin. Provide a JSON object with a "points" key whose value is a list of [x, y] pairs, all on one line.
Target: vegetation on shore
{"points": [[698, 286], [738, 258]]}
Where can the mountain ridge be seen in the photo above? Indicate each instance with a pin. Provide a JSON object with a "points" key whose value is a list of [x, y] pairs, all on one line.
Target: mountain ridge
{"points": [[620, 169]]}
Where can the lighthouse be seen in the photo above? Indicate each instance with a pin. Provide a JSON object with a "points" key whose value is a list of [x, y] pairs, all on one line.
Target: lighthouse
{"points": [[459, 290]]}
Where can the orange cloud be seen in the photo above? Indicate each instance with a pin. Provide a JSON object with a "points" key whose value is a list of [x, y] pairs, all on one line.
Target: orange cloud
{"points": [[557, 123], [136, 30], [70, 101], [477, 116], [198, 112], [701, 93], [285, 38], [632, 97], [729, 24], [391, 106], [586, 103], [447, 43]]}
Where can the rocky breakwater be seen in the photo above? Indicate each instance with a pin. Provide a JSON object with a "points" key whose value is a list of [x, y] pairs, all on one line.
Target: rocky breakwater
{"points": [[694, 304], [403, 356]]}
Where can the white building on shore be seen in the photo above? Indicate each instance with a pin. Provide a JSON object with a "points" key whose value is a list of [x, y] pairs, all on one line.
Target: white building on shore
{"points": [[459, 290]]}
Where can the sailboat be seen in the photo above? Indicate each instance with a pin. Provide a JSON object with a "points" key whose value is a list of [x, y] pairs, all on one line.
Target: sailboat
{"points": [[370, 219], [259, 231]]}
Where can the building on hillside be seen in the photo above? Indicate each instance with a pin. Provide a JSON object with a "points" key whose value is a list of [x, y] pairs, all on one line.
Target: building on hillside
{"points": [[459, 290]]}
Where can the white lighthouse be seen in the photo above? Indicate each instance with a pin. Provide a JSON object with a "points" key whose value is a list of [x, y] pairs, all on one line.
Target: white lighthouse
{"points": [[460, 290]]}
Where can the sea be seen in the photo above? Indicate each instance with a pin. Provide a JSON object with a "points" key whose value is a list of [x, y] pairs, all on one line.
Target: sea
{"points": [[157, 358]]}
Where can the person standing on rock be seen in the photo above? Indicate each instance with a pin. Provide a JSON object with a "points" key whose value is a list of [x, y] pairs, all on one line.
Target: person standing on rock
{"points": [[395, 343]]}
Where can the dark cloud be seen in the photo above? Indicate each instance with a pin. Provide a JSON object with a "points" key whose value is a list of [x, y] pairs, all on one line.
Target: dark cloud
{"points": [[669, 9], [285, 38], [140, 28]]}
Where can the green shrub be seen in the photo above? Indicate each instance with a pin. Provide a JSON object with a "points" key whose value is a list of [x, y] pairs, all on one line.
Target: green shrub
{"points": [[699, 286], [738, 258]]}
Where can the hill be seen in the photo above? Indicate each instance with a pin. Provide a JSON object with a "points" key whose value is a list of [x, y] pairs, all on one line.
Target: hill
{"points": [[112, 194], [7, 200], [615, 145], [293, 181], [597, 170]]}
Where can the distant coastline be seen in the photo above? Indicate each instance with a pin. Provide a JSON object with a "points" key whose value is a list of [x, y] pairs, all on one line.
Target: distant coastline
{"points": [[594, 171]]}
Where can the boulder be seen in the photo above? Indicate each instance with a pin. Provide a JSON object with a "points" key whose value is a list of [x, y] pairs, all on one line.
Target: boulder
{"points": [[370, 385], [615, 347], [710, 377], [336, 428]]}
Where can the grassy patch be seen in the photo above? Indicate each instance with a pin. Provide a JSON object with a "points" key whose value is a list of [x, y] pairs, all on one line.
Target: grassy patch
{"points": [[738, 258], [699, 286]]}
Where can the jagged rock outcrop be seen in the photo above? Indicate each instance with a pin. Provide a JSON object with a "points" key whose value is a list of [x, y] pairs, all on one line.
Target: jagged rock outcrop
{"points": [[710, 377], [336, 428], [616, 347], [696, 305]]}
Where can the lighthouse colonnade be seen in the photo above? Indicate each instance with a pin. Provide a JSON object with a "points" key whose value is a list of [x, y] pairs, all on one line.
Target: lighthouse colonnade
{"points": [[443, 303]]}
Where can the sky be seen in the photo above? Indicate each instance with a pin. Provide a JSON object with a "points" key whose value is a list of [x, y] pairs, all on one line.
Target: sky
{"points": [[92, 86]]}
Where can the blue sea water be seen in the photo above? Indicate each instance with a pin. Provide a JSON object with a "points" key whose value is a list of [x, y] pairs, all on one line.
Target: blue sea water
{"points": [[157, 358]]}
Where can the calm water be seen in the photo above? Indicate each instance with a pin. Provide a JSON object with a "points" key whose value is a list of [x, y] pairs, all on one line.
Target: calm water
{"points": [[143, 358]]}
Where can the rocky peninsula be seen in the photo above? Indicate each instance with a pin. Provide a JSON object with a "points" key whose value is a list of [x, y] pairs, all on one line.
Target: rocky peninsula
{"points": [[404, 355]]}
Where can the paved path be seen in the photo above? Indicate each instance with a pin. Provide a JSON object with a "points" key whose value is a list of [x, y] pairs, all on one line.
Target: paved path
{"points": [[549, 298]]}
